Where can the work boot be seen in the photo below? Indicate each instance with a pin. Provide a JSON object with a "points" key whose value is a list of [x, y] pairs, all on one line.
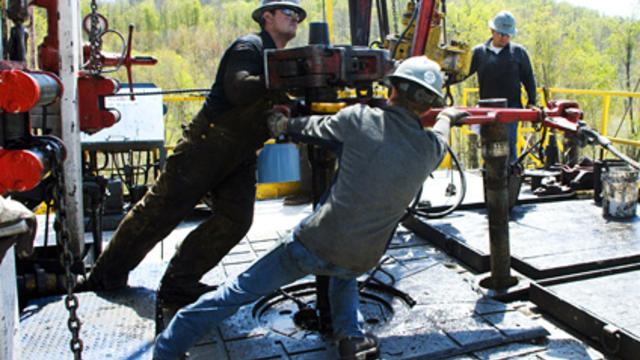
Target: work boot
{"points": [[298, 199], [89, 284], [359, 348]]}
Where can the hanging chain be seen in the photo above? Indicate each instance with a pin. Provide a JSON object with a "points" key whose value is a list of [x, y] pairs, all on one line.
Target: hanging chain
{"points": [[66, 259], [95, 42]]}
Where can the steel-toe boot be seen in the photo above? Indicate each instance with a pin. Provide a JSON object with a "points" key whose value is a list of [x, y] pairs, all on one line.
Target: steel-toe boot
{"points": [[359, 348]]}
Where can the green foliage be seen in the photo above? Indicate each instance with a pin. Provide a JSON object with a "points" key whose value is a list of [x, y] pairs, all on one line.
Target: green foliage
{"points": [[150, 19]]}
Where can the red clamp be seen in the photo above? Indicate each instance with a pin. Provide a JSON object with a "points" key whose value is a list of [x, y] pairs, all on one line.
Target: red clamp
{"points": [[93, 114]]}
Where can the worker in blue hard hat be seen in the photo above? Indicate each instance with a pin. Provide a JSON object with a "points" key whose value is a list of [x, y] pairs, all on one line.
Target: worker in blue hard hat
{"points": [[502, 66], [385, 157], [216, 156]]}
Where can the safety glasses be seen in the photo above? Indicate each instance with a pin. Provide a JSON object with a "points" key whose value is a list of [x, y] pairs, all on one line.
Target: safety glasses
{"points": [[290, 12]]}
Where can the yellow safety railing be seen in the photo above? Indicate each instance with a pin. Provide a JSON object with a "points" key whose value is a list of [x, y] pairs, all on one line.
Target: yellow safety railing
{"points": [[178, 98], [522, 142]]}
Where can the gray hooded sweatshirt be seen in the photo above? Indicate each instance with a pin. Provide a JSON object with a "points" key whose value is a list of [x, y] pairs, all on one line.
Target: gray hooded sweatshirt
{"points": [[384, 158]]}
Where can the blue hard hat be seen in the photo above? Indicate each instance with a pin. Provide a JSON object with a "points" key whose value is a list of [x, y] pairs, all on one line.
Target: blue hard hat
{"points": [[504, 22], [278, 4]]}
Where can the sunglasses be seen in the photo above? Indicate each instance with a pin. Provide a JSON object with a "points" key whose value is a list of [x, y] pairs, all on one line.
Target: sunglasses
{"points": [[290, 13], [503, 34]]}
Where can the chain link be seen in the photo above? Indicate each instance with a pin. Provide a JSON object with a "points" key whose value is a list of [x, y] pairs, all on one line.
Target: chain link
{"points": [[95, 42], [66, 259]]}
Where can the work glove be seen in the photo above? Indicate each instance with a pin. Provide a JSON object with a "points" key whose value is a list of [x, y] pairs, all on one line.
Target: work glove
{"points": [[276, 122], [17, 226], [454, 115]]}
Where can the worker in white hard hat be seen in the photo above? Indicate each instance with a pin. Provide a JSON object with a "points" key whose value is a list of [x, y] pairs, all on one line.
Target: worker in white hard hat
{"points": [[502, 66], [385, 157], [216, 156]]}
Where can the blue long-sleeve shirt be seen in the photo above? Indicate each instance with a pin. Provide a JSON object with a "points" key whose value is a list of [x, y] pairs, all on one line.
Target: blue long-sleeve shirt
{"points": [[500, 75]]}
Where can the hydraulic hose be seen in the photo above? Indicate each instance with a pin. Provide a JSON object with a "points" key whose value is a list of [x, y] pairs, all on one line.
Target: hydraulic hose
{"points": [[593, 136], [404, 32], [441, 211]]}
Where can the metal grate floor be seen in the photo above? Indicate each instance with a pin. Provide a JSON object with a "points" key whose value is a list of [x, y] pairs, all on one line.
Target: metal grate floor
{"points": [[451, 320]]}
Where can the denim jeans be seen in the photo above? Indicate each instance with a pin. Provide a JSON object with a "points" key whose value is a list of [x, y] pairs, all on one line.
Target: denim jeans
{"points": [[284, 264]]}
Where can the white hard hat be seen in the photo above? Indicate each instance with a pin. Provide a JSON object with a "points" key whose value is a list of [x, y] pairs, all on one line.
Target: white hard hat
{"points": [[278, 4], [421, 71]]}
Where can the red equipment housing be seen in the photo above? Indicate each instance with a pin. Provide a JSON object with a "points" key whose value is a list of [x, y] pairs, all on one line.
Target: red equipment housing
{"points": [[22, 90]]}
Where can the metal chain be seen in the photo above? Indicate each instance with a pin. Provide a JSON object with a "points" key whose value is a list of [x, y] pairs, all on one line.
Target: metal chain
{"points": [[66, 259], [95, 42]]}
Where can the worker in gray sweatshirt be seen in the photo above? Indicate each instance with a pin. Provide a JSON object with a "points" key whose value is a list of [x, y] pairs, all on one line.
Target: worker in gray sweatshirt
{"points": [[385, 155]]}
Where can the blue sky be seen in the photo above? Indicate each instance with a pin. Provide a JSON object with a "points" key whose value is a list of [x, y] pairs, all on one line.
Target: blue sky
{"points": [[623, 8]]}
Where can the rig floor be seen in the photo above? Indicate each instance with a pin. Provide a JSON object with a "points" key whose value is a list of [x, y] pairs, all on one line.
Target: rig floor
{"points": [[453, 317]]}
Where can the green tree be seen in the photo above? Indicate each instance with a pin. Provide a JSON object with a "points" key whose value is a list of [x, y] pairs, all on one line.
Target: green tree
{"points": [[150, 21], [623, 51]]}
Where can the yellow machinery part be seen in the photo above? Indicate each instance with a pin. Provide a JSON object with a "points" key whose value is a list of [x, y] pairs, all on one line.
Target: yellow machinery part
{"points": [[326, 107], [276, 190], [454, 57]]}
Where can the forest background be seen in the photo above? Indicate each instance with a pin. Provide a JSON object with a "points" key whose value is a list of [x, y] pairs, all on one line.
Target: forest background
{"points": [[577, 47]]}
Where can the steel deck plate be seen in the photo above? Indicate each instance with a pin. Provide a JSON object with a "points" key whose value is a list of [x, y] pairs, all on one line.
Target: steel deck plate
{"points": [[450, 318], [115, 326], [547, 239], [602, 306]]}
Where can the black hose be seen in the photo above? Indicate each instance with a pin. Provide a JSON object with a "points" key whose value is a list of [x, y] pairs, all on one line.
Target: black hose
{"points": [[592, 136], [439, 212], [404, 32], [537, 145]]}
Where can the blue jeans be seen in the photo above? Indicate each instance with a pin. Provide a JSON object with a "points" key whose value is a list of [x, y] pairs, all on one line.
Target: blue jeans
{"points": [[284, 264]]}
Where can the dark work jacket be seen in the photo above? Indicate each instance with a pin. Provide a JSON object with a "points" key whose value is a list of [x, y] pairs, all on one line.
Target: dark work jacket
{"points": [[500, 75], [233, 94], [245, 54]]}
